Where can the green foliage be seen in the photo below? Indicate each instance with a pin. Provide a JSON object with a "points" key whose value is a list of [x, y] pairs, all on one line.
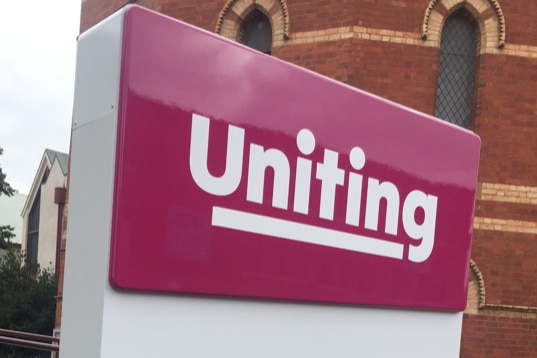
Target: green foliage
{"points": [[6, 231], [5, 188], [27, 300], [6, 234], [27, 293]]}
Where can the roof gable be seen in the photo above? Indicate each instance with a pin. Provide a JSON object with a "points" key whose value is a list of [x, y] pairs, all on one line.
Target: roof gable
{"points": [[63, 159], [46, 164]]}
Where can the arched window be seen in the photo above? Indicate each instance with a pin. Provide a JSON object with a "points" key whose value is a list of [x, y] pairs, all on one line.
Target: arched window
{"points": [[256, 32], [456, 70]]}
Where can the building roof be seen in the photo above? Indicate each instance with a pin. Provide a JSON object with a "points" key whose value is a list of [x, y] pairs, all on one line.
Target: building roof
{"points": [[63, 159]]}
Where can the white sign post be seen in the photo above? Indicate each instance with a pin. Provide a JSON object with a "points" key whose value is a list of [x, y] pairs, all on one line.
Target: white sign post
{"points": [[120, 300]]}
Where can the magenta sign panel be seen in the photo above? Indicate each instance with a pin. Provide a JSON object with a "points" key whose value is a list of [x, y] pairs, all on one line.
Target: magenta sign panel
{"points": [[238, 174]]}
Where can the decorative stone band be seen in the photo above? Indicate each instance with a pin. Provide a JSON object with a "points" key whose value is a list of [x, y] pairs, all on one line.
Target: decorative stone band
{"points": [[390, 36], [519, 226], [508, 193], [519, 194]]}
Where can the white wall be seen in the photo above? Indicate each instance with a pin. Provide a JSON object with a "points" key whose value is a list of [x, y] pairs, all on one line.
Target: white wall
{"points": [[10, 214], [48, 220]]}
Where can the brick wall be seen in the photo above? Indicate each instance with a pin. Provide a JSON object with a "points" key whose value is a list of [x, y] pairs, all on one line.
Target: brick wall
{"points": [[506, 260], [93, 11], [507, 109], [379, 67], [377, 45], [522, 24], [492, 336]]}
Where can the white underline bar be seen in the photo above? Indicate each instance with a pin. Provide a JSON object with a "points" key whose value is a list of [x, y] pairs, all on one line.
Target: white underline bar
{"points": [[285, 229]]}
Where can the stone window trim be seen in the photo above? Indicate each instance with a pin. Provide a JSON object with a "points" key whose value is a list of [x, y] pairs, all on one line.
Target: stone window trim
{"points": [[232, 14], [488, 14], [492, 309], [480, 284]]}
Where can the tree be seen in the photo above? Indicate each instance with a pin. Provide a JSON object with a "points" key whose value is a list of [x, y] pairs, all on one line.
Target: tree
{"points": [[27, 300], [6, 231], [6, 234], [27, 293], [4, 186]]}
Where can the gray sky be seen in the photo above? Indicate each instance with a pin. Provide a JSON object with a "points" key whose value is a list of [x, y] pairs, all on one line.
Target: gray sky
{"points": [[37, 68]]}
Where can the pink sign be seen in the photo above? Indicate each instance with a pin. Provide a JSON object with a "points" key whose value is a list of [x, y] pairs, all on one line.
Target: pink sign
{"points": [[238, 174]]}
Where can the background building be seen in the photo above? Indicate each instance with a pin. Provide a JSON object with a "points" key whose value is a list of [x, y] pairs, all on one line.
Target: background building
{"points": [[470, 62], [43, 211]]}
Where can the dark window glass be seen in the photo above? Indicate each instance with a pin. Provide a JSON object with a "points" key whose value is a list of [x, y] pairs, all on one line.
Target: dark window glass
{"points": [[456, 70], [33, 241], [256, 32], [33, 230], [45, 176]]}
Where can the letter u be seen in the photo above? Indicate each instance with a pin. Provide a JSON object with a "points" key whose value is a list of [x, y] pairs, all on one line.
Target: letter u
{"points": [[199, 148]]}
